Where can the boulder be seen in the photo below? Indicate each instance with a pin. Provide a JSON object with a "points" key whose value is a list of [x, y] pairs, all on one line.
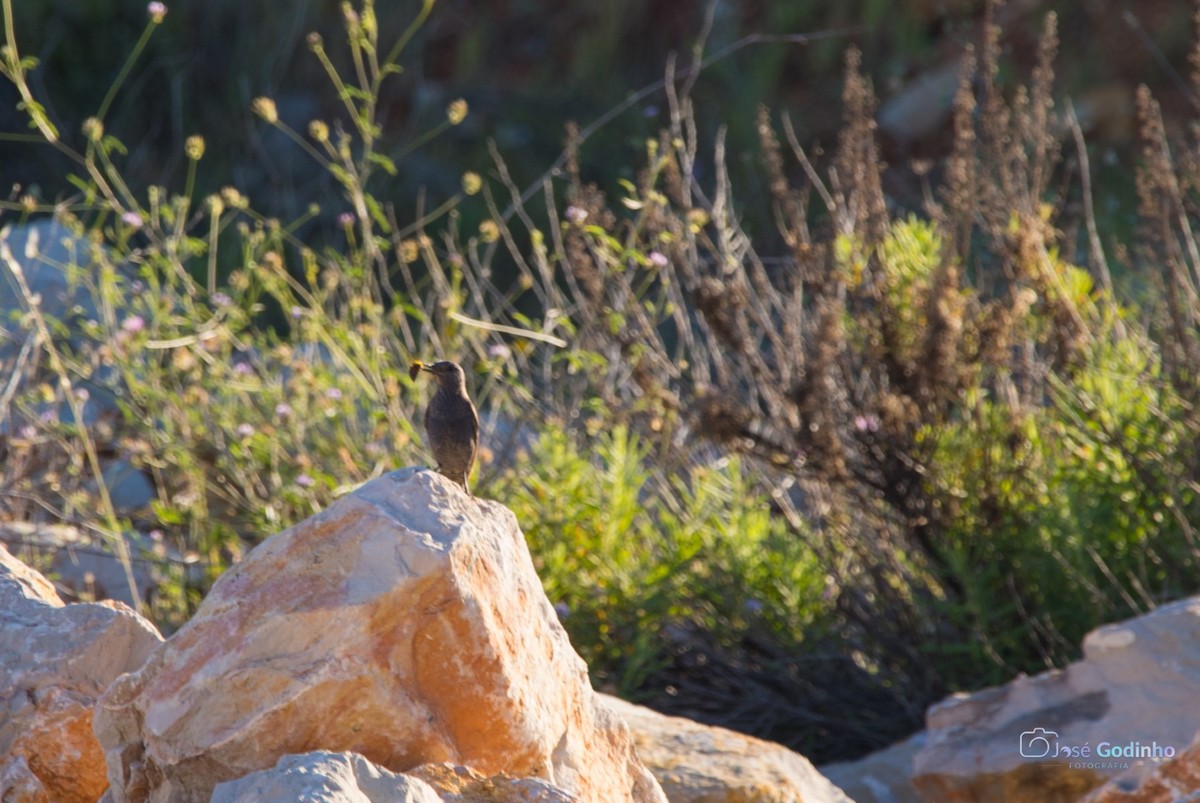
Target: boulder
{"points": [[697, 763], [350, 778], [1124, 708], [405, 623], [55, 660], [1175, 779]]}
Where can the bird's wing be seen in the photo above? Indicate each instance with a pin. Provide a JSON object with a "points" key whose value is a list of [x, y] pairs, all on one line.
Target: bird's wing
{"points": [[474, 433]]}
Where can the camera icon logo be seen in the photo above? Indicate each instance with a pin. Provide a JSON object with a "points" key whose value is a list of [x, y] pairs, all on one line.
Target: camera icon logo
{"points": [[1038, 743]]}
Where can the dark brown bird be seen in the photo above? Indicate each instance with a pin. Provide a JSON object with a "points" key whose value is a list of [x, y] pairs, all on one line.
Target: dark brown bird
{"points": [[451, 422]]}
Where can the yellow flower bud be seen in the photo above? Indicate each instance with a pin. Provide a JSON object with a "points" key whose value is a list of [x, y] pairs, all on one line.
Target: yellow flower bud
{"points": [[456, 112], [471, 183], [194, 147], [93, 129], [265, 108]]}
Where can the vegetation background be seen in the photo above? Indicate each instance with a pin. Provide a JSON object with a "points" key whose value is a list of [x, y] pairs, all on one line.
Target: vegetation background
{"points": [[880, 321]]}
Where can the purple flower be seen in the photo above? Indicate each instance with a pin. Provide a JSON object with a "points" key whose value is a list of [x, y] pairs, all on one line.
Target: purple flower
{"points": [[296, 311], [753, 606], [243, 368], [137, 286], [132, 219], [575, 214], [221, 300], [333, 393], [245, 430], [283, 410], [866, 423], [82, 394], [305, 481], [658, 259], [134, 323], [27, 432], [499, 351], [157, 11], [562, 609], [346, 219], [156, 535]]}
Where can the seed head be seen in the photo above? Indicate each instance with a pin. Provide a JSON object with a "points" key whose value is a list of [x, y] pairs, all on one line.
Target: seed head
{"points": [[264, 107]]}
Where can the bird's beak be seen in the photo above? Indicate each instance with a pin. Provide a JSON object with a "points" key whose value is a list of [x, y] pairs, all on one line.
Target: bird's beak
{"points": [[425, 367]]}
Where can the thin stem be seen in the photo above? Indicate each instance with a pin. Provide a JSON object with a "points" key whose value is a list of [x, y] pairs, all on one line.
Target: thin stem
{"points": [[402, 42], [125, 68], [58, 365]]}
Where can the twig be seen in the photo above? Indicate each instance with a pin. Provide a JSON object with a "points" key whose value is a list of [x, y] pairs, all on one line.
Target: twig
{"points": [[650, 89]]}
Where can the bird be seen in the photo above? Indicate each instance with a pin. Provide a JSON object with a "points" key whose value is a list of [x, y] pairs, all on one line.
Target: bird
{"points": [[451, 422]]}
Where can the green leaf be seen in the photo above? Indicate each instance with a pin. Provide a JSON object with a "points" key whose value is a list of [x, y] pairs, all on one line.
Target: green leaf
{"points": [[387, 164]]}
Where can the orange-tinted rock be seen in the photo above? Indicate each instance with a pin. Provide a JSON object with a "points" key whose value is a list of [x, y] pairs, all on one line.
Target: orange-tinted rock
{"points": [[405, 623], [1177, 778], [1052, 737], [697, 763], [55, 660]]}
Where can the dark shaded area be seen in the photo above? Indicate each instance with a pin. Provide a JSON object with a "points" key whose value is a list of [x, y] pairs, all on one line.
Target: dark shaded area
{"points": [[528, 67]]}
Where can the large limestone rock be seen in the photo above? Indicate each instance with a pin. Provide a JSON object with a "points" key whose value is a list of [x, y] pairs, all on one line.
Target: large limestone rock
{"points": [[55, 660], [404, 623], [697, 763], [1134, 691], [350, 778]]}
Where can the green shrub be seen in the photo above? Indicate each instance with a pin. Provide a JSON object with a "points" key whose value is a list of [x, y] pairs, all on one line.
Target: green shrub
{"points": [[635, 561]]}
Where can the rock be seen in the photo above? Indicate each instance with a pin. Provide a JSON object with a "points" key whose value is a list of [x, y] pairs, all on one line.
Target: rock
{"points": [[55, 660], [1175, 779], [1134, 690], [84, 565], [45, 250], [128, 487], [51, 261], [404, 623], [923, 106], [328, 777], [457, 783], [884, 776], [350, 778], [697, 763]]}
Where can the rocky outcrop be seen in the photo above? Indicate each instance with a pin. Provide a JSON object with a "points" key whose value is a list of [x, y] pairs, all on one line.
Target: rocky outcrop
{"points": [[697, 763], [350, 778], [55, 660], [404, 623], [1124, 709]]}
